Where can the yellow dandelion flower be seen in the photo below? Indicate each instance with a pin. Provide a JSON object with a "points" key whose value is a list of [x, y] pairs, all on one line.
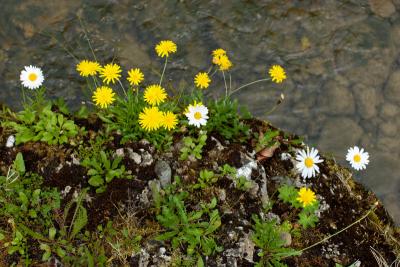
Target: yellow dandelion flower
{"points": [[306, 196], [103, 96], [151, 118], [88, 68], [170, 120], [224, 63], [110, 73], [135, 76], [202, 80], [154, 95], [219, 52], [277, 73], [166, 47]]}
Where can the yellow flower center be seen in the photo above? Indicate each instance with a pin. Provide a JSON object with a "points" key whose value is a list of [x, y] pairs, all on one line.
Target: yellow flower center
{"points": [[197, 115], [309, 162], [357, 158], [32, 77]]}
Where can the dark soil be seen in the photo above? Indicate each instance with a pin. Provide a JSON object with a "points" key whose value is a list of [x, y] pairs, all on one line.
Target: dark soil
{"points": [[347, 200]]}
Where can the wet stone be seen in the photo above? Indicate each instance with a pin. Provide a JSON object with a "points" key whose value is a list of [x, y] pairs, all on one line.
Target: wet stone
{"points": [[368, 100], [388, 129], [382, 8], [337, 99], [338, 129], [389, 111], [392, 91]]}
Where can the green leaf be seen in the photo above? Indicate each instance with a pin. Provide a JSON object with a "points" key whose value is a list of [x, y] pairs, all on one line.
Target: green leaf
{"points": [[105, 160], [96, 181], [80, 221], [52, 233], [19, 163], [24, 135], [60, 252], [287, 193], [32, 213], [307, 220], [116, 162], [23, 198], [166, 236], [200, 262]]}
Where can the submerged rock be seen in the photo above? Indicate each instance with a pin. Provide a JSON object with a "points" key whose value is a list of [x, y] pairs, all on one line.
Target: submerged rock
{"points": [[383, 8]]}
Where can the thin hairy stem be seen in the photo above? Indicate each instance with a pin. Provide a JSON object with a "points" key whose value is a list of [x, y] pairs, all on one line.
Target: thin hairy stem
{"points": [[87, 37], [226, 87], [165, 66], [372, 209], [248, 84], [123, 88]]}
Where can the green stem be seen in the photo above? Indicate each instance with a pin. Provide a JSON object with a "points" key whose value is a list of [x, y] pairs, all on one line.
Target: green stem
{"points": [[87, 38], [226, 87], [165, 66], [248, 84], [123, 89], [212, 74], [23, 97]]}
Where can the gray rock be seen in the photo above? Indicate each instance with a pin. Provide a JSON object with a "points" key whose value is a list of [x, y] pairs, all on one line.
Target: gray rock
{"points": [[10, 141], [144, 259], [286, 238], [246, 248], [392, 91], [120, 152], [134, 156], [221, 195], [163, 171], [147, 159], [75, 160]]}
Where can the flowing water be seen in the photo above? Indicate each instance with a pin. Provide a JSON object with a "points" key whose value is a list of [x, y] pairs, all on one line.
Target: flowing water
{"points": [[341, 57]]}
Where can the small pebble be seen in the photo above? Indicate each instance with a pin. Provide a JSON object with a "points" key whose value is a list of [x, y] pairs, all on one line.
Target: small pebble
{"points": [[10, 141]]}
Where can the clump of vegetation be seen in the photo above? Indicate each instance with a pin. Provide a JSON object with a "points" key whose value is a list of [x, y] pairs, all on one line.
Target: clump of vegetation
{"points": [[84, 207], [194, 230], [303, 198], [103, 170], [192, 147], [46, 126], [267, 235]]}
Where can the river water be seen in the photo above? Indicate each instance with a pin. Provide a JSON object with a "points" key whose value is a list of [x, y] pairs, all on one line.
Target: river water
{"points": [[341, 57]]}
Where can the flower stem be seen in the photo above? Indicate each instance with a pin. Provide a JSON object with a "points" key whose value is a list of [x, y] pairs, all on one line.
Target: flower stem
{"points": [[212, 74], [248, 84], [123, 89], [165, 66], [226, 87], [372, 209]]}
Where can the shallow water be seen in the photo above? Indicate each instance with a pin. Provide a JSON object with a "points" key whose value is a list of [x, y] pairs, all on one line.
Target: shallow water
{"points": [[341, 57]]}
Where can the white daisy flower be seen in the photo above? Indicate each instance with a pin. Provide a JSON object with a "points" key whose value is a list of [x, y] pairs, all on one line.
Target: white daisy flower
{"points": [[358, 158], [197, 115], [31, 77], [307, 162]]}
